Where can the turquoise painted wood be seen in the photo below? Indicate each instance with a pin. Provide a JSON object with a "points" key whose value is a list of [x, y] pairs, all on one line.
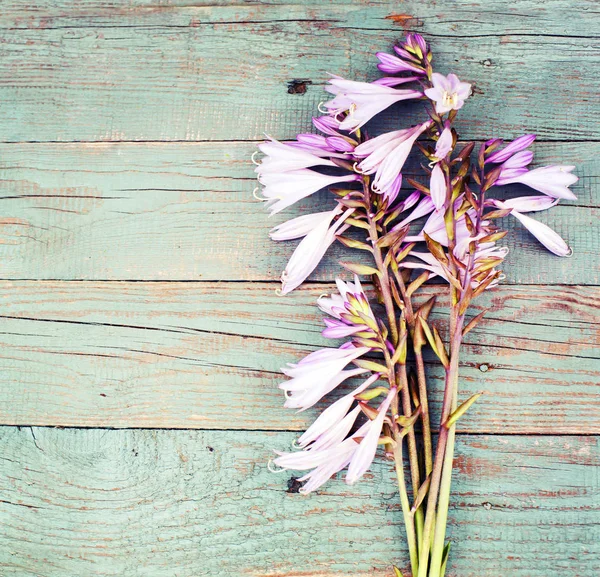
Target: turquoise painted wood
{"points": [[138, 285], [185, 212], [207, 355], [157, 71], [195, 503]]}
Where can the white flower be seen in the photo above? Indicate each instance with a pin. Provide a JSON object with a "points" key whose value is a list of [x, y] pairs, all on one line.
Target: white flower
{"points": [[448, 92], [318, 374], [282, 189], [310, 251], [363, 100], [385, 155]]}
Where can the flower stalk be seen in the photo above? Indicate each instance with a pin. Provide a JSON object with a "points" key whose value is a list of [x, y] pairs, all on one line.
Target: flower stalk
{"points": [[442, 230]]}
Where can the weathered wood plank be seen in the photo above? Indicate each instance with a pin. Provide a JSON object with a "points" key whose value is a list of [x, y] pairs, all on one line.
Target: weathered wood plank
{"points": [[492, 17], [169, 72], [185, 211], [189, 503], [204, 355]]}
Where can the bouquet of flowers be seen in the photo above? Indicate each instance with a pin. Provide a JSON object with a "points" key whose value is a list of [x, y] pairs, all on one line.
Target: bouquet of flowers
{"points": [[444, 226]]}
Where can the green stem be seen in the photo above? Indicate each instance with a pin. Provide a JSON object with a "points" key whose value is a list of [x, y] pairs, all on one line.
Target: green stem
{"points": [[441, 521], [412, 447], [443, 441], [408, 518]]}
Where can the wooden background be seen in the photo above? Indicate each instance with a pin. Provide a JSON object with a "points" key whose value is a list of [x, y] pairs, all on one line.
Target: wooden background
{"points": [[140, 331]]}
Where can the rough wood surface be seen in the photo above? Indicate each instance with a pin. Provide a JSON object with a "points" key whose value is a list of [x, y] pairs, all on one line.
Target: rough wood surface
{"points": [[186, 212], [205, 355], [185, 503], [138, 70], [196, 80]]}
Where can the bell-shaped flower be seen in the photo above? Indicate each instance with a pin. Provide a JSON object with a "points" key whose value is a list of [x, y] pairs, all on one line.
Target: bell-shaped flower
{"points": [[281, 157], [318, 374], [332, 416], [530, 203], [324, 462], [444, 144], [551, 180], [363, 457], [362, 100], [385, 155], [422, 209], [448, 92], [515, 146], [393, 65], [302, 225], [350, 309], [283, 189], [437, 187], [310, 251], [548, 237]]}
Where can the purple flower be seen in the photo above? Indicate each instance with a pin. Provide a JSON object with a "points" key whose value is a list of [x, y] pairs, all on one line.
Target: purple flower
{"points": [[362, 100], [318, 374], [437, 187], [385, 155], [551, 180], [329, 125], [448, 92], [283, 189], [515, 146], [422, 209], [393, 65], [310, 251], [394, 80], [332, 452], [349, 304], [283, 157]]}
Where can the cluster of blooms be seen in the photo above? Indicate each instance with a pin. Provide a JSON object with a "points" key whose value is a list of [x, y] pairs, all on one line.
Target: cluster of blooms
{"points": [[367, 178]]}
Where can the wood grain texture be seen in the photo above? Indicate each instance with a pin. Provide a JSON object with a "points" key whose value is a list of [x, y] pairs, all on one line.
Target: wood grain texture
{"points": [[139, 70], [204, 355], [186, 212], [185, 503]]}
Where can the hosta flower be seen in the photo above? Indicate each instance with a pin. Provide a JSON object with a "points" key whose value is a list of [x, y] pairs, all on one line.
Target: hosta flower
{"points": [[302, 225], [448, 92], [444, 144], [325, 463], [551, 180], [330, 418], [355, 452], [515, 146], [548, 237], [424, 208], [363, 457], [393, 65], [530, 203], [350, 309], [281, 157], [385, 155], [329, 125], [437, 187], [283, 189], [310, 251], [362, 100], [318, 374]]}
